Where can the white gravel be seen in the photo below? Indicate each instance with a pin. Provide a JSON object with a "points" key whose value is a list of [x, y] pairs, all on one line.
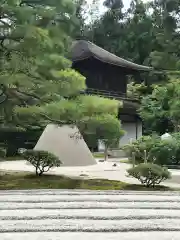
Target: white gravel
{"points": [[89, 236], [95, 214], [89, 225], [90, 205], [56, 214], [87, 215], [89, 198]]}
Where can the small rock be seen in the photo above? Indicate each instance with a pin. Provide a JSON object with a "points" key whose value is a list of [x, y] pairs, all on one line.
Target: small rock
{"points": [[83, 175], [101, 160]]}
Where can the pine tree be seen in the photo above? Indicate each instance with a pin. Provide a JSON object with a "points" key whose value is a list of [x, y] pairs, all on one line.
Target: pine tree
{"points": [[40, 86], [32, 46]]}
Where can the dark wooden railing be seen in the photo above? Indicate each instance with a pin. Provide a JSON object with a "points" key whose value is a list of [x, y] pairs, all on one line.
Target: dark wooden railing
{"points": [[108, 94]]}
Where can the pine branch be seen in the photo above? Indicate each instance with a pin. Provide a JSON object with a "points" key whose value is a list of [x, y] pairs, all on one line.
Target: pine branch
{"points": [[25, 3], [60, 122], [4, 48], [28, 94], [10, 37], [5, 23], [3, 89]]}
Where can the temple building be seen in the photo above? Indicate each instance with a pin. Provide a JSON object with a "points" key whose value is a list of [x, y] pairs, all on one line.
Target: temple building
{"points": [[107, 76]]}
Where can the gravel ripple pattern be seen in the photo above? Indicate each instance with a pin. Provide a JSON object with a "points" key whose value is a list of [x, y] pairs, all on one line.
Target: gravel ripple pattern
{"points": [[107, 215]]}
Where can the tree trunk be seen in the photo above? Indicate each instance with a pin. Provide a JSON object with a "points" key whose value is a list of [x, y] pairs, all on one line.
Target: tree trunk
{"points": [[106, 153], [37, 174], [40, 174]]}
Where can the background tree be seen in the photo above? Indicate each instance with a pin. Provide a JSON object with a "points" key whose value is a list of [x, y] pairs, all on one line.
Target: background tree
{"points": [[138, 91], [107, 129], [145, 33], [160, 110], [81, 18], [109, 133]]}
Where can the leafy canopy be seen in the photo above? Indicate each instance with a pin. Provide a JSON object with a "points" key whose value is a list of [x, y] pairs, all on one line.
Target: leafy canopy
{"points": [[155, 150], [36, 76], [160, 110]]}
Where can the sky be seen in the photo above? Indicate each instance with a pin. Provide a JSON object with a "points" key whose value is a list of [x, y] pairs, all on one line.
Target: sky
{"points": [[102, 8], [126, 2]]}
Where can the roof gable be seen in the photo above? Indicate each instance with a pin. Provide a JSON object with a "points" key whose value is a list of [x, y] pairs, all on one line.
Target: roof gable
{"points": [[82, 50]]}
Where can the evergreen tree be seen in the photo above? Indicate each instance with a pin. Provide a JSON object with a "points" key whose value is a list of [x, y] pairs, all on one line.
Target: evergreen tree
{"points": [[31, 42], [146, 33], [40, 86]]}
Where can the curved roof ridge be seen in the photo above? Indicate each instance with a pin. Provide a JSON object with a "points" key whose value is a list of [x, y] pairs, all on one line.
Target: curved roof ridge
{"points": [[85, 49]]}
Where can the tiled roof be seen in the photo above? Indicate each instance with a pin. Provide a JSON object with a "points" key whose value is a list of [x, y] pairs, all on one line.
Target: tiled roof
{"points": [[82, 50]]}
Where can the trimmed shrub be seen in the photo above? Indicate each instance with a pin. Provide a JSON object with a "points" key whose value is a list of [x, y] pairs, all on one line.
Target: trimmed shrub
{"points": [[149, 174], [43, 161]]}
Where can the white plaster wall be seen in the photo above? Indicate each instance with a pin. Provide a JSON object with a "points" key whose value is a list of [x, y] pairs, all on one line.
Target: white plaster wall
{"points": [[130, 132], [101, 146]]}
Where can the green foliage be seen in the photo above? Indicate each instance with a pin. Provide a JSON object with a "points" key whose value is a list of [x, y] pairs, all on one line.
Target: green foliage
{"points": [[106, 128], [164, 152], [146, 33], [149, 174], [24, 180], [168, 151], [138, 148], [138, 91], [34, 42], [39, 83], [93, 116], [160, 110], [161, 152], [42, 161]]}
